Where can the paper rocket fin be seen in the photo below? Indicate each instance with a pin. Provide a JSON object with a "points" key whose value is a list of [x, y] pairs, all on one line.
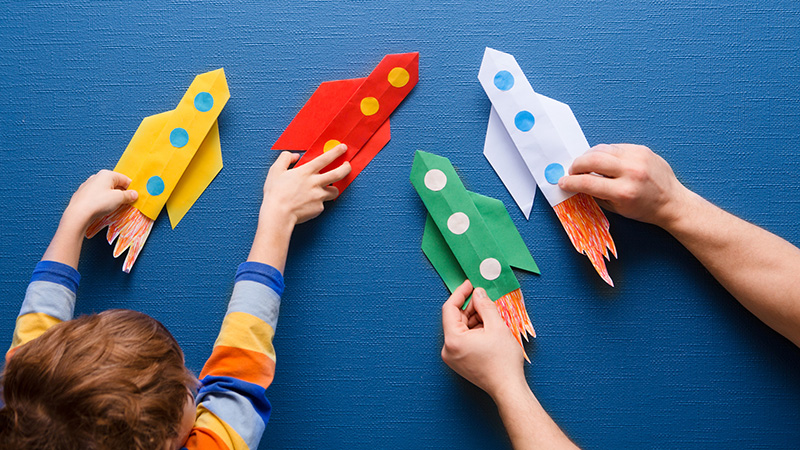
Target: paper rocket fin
{"points": [[440, 256], [316, 114], [502, 154], [505, 232], [205, 166], [354, 112]]}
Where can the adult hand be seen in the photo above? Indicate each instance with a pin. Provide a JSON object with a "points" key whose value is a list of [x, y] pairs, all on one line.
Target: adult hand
{"points": [[479, 346], [633, 182]]}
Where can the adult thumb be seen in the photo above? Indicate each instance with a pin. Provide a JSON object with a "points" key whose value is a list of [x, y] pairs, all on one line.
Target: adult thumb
{"points": [[486, 308]]}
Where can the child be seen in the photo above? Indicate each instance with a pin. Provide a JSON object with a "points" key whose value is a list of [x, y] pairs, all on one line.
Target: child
{"points": [[117, 380]]}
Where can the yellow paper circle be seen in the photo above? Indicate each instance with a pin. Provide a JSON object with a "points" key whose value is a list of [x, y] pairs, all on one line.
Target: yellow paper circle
{"points": [[369, 106], [398, 77], [329, 145]]}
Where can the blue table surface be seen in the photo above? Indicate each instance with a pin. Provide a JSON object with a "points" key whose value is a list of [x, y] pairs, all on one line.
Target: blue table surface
{"points": [[667, 359]]}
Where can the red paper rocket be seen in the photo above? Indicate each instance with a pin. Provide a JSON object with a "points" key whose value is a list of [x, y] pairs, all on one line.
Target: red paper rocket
{"points": [[354, 112]]}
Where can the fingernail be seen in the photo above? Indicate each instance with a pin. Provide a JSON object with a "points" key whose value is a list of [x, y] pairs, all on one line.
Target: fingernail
{"points": [[134, 195], [480, 293]]}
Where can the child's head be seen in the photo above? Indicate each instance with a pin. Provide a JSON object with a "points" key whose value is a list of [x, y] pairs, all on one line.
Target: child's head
{"points": [[110, 380]]}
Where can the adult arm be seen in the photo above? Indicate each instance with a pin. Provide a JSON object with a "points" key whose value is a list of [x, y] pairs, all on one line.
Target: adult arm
{"points": [[232, 406], [757, 267], [479, 346]]}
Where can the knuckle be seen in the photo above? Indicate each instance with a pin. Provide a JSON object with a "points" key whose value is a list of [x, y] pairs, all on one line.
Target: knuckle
{"points": [[452, 346], [638, 173], [592, 158], [628, 193]]}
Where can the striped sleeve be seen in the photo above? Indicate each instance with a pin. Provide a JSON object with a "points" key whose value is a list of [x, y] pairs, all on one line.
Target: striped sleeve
{"points": [[49, 300], [233, 409]]}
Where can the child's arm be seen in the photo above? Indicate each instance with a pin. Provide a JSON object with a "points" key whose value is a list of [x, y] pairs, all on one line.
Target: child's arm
{"points": [[50, 298], [232, 407]]}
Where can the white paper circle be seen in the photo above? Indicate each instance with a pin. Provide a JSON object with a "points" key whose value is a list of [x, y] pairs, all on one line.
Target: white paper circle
{"points": [[458, 223], [490, 269], [435, 180]]}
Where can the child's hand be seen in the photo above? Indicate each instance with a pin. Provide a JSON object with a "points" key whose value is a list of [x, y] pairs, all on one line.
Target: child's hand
{"points": [[479, 346], [99, 195], [298, 194], [293, 196]]}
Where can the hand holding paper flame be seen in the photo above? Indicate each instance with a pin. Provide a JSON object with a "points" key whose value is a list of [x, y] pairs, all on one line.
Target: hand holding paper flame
{"points": [[468, 235]]}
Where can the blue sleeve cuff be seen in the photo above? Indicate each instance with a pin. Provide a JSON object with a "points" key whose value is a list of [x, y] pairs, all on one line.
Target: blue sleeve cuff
{"points": [[56, 272], [261, 273]]}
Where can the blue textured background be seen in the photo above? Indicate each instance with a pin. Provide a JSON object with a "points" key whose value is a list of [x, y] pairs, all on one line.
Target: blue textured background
{"points": [[665, 360]]}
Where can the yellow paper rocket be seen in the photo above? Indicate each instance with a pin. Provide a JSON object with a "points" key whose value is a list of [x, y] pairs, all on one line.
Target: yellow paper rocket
{"points": [[171, 160]]}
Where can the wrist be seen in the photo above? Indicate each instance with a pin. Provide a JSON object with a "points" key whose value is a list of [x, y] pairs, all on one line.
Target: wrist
{"points": [[73, 222], [276, 215], [271, 242], [510, 390], [680, 208]]}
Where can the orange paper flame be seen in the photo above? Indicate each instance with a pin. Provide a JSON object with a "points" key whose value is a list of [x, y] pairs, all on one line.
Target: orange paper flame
{"points": [[587, 228], [512, 309], [131, 226]]}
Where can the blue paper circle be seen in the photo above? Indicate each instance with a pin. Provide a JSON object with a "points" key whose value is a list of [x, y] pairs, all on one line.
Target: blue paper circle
{"points": [[178, 137], [553, 173], [155, 185], [203, 101], [504, 80], [524, 121]]}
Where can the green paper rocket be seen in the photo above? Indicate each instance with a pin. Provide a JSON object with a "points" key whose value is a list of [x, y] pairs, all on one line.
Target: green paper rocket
{"points": [[471, 236]]}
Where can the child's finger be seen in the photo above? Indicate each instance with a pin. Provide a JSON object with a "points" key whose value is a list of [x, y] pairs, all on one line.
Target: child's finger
{"points": [[331, 192], [322, 161], [336, 174], [116, 179], [284, 160], [129, 196]]}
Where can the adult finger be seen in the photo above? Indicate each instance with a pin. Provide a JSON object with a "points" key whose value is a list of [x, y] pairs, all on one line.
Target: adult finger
{"points": [[486, 309], [598, 162], [613, 149], [589, 184], [336, 174], [322, 161], [451, 309], [473, 321], [605, 204]]}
